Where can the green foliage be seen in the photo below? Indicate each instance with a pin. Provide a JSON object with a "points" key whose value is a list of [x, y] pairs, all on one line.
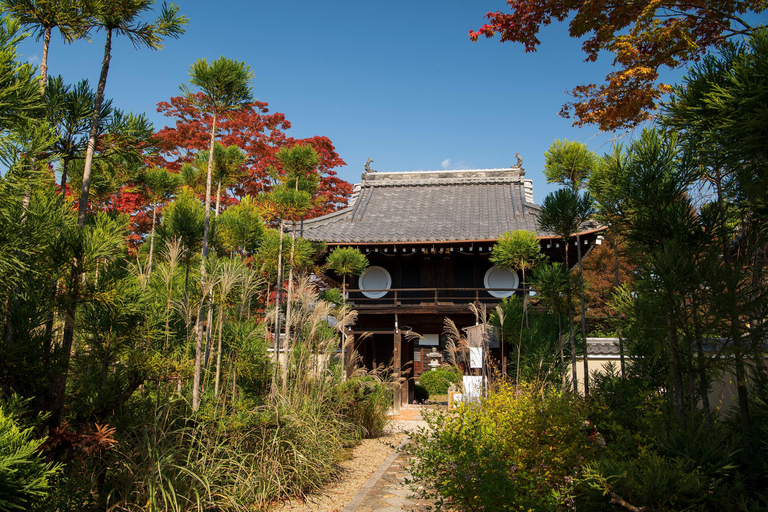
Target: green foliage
{"points": [[235, 459], [569, 163], [563, 211], [363, 402], [538, 342], [652, 481], [517, 250], [184, 219], [719, 111], [41, 17], [332, 295], [25, 477], [227, 167], [224, 85], [518, 449], [555, 287], [649, 460], [299, 167], [420, 393], [240, 228], [288, 203], [160, 183], [247, 349], [347, 262], [266, 255], [296, 186], [19, 89], [437, 381]]}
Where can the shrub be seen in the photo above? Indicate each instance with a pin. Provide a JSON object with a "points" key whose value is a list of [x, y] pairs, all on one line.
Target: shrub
{"points": [[437, 381], [364, 402], [519, 448], [650, 480], [24, 475], [650, 460], [420, 393]]}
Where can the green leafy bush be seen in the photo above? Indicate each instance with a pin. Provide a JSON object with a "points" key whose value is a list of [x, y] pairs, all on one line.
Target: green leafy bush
{"points": [[650, 460], [364, 402], [420, 393], [437, 381], [518, 449], [24, 475], [652, 481]]}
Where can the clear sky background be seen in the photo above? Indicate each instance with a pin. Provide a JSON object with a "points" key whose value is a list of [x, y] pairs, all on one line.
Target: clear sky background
{"points": [[398, 81]]}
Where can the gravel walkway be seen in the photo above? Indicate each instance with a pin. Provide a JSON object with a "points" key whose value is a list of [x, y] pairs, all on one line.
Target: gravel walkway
{"points": [[372, 479]]}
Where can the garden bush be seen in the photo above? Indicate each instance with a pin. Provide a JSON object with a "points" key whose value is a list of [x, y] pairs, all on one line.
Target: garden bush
{"points": [[651, 461], [420, 393], [437, 381], [24, 475], [364, 401], [650, 481], [520, 448]]}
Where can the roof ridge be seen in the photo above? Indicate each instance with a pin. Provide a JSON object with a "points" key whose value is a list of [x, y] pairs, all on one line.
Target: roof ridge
{"points": [[511, 174]]}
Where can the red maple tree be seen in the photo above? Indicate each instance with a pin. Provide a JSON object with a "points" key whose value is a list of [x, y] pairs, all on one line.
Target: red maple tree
{"points": [[257, 132]]}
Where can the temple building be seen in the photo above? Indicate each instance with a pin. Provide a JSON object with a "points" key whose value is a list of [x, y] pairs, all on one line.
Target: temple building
{"points": [[428, 237]]}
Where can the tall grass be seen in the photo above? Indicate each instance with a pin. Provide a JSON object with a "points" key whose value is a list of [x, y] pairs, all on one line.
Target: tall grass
{"points": [[242, 451]]}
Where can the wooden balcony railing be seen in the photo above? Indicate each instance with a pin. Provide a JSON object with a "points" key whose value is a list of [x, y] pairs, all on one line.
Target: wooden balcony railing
{"points": [[426, 297]]}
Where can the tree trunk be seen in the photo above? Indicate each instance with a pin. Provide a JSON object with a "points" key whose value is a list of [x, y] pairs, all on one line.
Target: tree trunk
{"points": [[186, 287], [677, 375], [57, 389], [523, 321], [741, 388], [562, 351], [218, 355], [278, 299], [152, 240], [168, 308], [218, 199], [573, 355], [288, 308], [618, 315], [91, 148], [44, 60], [208, 331], [64, 168], [703, 381], [201, 312], [575, 378]]}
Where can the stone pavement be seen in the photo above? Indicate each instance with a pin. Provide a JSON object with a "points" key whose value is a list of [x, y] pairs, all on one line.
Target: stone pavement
{"points": [[386, 490]]}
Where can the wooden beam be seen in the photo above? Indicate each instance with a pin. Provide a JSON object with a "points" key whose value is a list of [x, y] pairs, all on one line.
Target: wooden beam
{"points": [[398, 363]]}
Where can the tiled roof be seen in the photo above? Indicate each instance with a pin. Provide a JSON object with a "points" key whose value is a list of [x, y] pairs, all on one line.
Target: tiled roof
{"points": [[431, 206], [603, 346]]}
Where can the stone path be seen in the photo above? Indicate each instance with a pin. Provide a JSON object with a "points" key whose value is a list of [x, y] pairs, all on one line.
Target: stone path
{"points": [[386, 490]]}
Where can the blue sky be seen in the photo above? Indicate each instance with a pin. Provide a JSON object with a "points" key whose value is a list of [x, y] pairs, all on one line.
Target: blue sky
{"points": [[399, 81]]}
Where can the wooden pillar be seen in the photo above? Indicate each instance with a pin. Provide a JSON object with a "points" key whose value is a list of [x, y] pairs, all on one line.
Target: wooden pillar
{"points": [[398, 363], [408, 389]]}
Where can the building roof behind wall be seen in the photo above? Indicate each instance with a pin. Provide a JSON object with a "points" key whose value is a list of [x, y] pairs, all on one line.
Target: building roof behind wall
{"points": [[431, 206]]}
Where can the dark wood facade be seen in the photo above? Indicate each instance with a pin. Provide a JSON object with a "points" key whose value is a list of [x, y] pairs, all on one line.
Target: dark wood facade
{"points": [[429, 282]]}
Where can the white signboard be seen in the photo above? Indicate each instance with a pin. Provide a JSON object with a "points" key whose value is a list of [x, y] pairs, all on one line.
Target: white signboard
{"points": [[473, 387], [475, 357]]}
